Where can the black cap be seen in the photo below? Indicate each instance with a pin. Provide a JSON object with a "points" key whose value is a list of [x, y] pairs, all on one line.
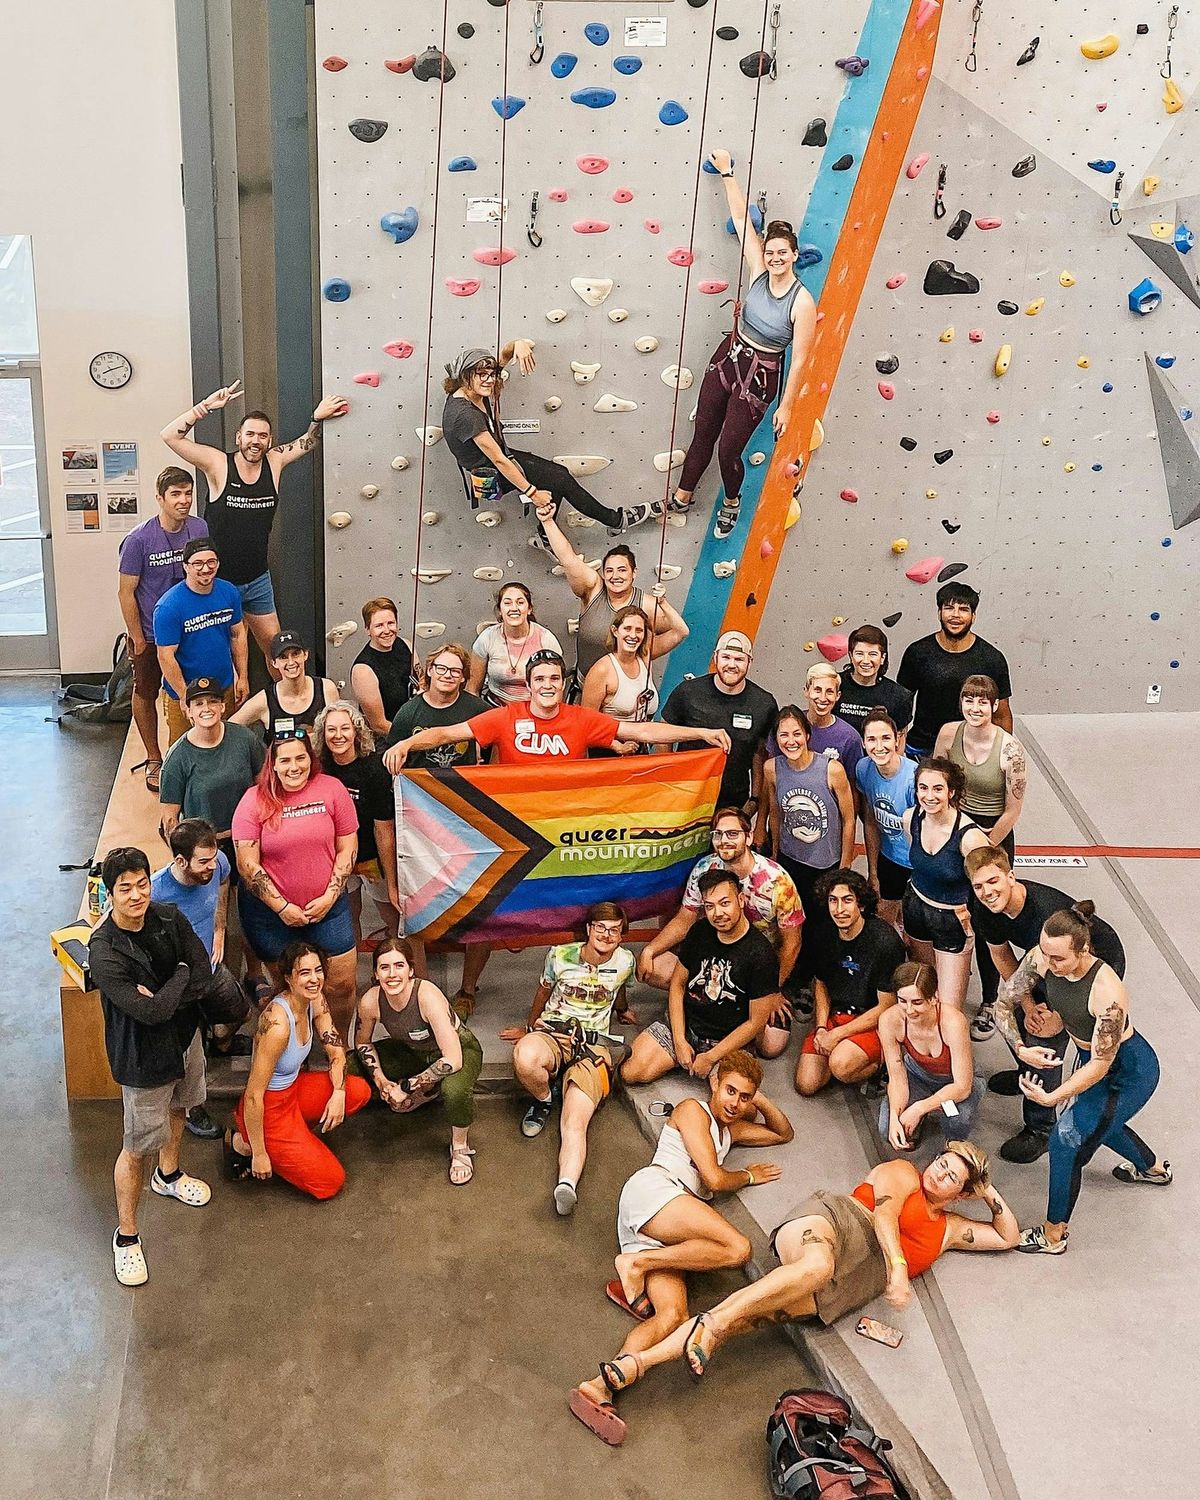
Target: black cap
{"points": [[286, 640], [199, 544], [539, 658], [203, 687]]}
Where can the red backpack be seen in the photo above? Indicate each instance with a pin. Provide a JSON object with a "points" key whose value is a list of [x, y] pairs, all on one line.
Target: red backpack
{"points": [[817, 1455]]}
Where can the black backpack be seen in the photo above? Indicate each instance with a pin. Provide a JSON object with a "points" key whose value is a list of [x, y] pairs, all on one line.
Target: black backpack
{"points": [[816, 1454], [111, 703]]}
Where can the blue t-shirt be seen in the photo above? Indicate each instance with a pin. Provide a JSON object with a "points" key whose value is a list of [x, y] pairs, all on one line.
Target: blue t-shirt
{"points": [[154, 557], [198, 903], [200, 626], [889, 798]]}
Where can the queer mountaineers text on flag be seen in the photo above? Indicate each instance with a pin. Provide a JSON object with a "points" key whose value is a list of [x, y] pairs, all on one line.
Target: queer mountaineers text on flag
{"points": [[516, 854]]}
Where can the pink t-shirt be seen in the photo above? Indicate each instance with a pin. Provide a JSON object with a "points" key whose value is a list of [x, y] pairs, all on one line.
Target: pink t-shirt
{"points": [[298, 855]]}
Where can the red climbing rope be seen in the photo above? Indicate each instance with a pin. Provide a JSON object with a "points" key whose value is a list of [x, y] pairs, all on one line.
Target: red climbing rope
{"points": [[499, 387]]}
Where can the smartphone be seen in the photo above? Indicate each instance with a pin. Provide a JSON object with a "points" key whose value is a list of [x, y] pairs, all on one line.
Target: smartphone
{"points": [[950, 1109], [871, 1328]]}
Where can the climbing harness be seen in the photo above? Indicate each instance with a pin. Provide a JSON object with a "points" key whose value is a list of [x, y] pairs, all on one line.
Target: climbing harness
{"points": [[773, 70], [531, 233], [539, 37], [972, 63], [939, 208], [1114, 207], [1172, 23]]}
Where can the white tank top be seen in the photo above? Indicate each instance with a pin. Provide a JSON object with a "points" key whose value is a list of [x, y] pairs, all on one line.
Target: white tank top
{"points": [[672, 1155], [636, 698]]}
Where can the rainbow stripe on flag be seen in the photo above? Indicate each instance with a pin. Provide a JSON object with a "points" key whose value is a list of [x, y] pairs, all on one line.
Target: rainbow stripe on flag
{"points": [[516, 854]]}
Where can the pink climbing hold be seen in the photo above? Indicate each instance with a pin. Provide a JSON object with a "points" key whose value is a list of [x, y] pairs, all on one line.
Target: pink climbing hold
{"points": [[466, 288], [367, 377], [400, 64], [592, 164], [623, 195], [834, 647], [897, 280], [590, 226], [495, 255], [887, 390], [923, 571], [792, 470], [557, 195], [334, 64], [917, 165], [922, 73], [713, 288], [653, 226], [993, 417], [988, 223], [1100, 108], [925, 12], [851, 496], [976, 335], [399, 349], [681, 256], [765, 549]]}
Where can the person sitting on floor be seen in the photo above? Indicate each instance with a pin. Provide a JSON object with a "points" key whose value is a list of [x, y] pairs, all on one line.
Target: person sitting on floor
{"points": [[837, 1252], [427, 1052], [562, 1050], [930, 1066], [667, 1225]]}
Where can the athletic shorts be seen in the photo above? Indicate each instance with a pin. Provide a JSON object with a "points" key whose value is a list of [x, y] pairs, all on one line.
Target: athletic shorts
{"points": [[148, 1111], [859, 1266], [367, 873], [647, 1191], [594, 1078], [258, 596], [660, 1031], [932, 924], [269, 936], [147, 673], [866, 1041], [893, 878]]}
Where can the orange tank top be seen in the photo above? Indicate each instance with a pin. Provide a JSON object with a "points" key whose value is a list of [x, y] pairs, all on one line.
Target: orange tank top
{"points": [[921, 1234]]}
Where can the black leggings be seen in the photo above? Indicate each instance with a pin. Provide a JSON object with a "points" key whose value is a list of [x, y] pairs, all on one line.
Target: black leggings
{"points": [[734, 397], [562, 485]]}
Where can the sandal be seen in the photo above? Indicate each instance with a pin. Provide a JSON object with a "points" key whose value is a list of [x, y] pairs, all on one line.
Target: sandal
{"points": [[460, 1161], [599, 1417], [640, 1308], [154, 776], [693, 1351], [610, 1373]]}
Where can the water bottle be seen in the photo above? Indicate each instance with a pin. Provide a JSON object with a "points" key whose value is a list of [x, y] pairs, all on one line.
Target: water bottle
{"points": [[97, 894]]}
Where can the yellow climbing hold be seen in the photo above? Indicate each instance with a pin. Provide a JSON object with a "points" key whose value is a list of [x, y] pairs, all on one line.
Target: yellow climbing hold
{"points": [[1003, 359], [1066, 279], [1046, 441], [838, 620], [1162, 230], [900, 546], [1100, 46], [810, 645], [1083, 362], [1172, 98], [793, 514], [818, 435], [931, 494], [1149, 185], [947, 335], [1035, 307], [1068, 468]]}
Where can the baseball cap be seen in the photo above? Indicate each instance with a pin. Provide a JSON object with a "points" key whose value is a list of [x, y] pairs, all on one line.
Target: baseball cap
{"points": [[203, 687], [736, 640], [540, 658], [286, 640], [199, 544]]}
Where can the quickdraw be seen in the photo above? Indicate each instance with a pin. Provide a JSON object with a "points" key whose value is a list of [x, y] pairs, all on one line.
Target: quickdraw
{"points": [[1114, 207], [972, 62], [531, 233], [539, 36], [939, 208], [1172, 22], [773, 71]]}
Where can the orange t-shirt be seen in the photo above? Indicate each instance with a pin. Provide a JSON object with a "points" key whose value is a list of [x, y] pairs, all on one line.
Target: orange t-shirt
{"points": [[523, 737], [921, 1233]]}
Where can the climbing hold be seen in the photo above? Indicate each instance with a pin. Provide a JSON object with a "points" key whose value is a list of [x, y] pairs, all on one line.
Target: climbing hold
{"points": [[951, 570], [494, 255], [1066, 279], [727, 33], [668, 571], [923, 571], [401, 226], [556, 315], [951, 526], [508, 105], [672, 113], [681, 256], [340, 519], [834, 647], [896, 281], [590, 226], [462, 288], [713, 288], [843, 163], [431, 575], [947, 335], [707, 166], [757, 458], [647, 344], [488, 574], [817, 436], [794, 512], [368, 131], [944, 456], [466, 30], [756, 64], [850, 496], [1068, 468], [1164, 361], [433, 63], [1083, 362], [1108, 388], [917, 165], [887, 364], [1007, 309], [724, 569], [652, 226], [791, 469], [610, 403], [1162, 230], [627, 65], [552, 403], [592, 165], [815, 134], [1097, 468], [429, 435], [400, 64], [988, 223], [900, 546], [975, 335], [1103, 164], [1184, 239], [887, 390], [463, 164], [592, 289], [909, 444], [809, 255], [429, 629], [334, 64], [563, 64], [890, 620], [665, 462], [430, 517], [926, 10], [1100, 46], [678, 376], [1026, 165], [854, 65], [557, 195], [942, 279], [1003, 359], [488, 517], [1046, 441], [594, 98], [367, 377], [1145, 297], [596, 33], [810, 645], [336, 289], [583, 373], [993, 417], [1035, 307], [756, 219], [1149, 185], [1029, 53], [400, 462], [618, 314], [959, 225], [340, 634], [369, 491], [622, 195]]}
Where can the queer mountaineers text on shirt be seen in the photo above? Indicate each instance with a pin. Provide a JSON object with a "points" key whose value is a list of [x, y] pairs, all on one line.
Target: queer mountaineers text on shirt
{"points": [[522, 737], [200, 627], [298, 853], [154, 556]]}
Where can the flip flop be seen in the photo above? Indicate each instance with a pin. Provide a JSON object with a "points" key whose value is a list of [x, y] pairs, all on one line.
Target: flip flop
{"points": [[691, 1352], [599, 1417], [153, 775], [640, 1308]]}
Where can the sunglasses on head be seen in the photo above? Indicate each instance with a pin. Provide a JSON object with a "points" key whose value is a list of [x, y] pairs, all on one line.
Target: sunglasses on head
{"points": [[291, 734]]}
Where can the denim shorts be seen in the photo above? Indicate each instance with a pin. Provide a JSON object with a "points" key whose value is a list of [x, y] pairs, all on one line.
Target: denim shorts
{"points": [[258, 596], [269, 936]]}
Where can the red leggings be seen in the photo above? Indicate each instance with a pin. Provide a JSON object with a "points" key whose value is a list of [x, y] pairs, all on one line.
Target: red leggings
{"points": [[297, 1155]]}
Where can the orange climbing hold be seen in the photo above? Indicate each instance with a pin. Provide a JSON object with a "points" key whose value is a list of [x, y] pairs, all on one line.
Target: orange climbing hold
{"points": [[334, 64], [400, 64]]}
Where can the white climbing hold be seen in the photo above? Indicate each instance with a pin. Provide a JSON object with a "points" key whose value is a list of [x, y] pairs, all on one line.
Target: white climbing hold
{"points": [[429, 435], [758, 458], [583, 373], [431, 517], [488, 575], [341, 633], [609, 403], [593, 289], [488, 517], [552, 403], [369, 491], [400, 462], [618, 315], [582, 464], [647, 344], [724, 569], [678, 376], [679, 521], [576, 519], [428, 629], [573, 625], [340, 519], [556, 315], [665, 462], [667, 571], [431, 575]]}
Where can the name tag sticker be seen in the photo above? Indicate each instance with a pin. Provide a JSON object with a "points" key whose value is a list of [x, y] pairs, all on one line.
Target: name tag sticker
{"points": [[524, 726], [743, 721]]}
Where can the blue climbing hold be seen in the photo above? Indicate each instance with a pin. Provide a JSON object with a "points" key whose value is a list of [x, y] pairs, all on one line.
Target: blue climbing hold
{"points": [[596, 33], [1184, 238], [1096, 468], [509, 105], [400, 226], [463, 164], [1166, 541], [627, 65], [1164, 361], [1174, 664], [1145, 297], [809, 256], [1107, 387], [672, 113], [336, 289], [756, 219], [594, 98], [1154, 615], [1186, 413], [563, 64], [708, 166], [1101, 164]]}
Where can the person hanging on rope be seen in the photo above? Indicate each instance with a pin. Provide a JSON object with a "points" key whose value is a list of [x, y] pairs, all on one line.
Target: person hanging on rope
{"points": [[743, 376]]}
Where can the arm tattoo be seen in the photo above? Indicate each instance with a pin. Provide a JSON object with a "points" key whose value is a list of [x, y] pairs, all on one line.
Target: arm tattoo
{"points": [[1107, 1036], [882, 1199], [336, 882], [968, 1236], [1017, 775], [432, 1076], [330, 1038], [774, 1320], [265, 1021], [1011, 991], [264, 887], [370, 1058]]}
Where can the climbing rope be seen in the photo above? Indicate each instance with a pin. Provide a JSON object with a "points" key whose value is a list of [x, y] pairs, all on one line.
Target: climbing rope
{"points": [[500, 227], [972, 62]]}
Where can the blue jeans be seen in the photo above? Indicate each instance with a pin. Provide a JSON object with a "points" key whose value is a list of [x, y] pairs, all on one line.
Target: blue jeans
{"points": [[1100, 1117], [258, 596], [922, 1084]]}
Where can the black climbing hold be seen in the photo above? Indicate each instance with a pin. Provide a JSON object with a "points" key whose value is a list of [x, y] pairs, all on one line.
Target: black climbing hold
{"points": [[908, 444], [466, 30], [1006, 309], [1026, 165], [756, 64], [433, 63], [944, 456], [815, 134], [890, 620], [1143, 29], [843, 163], [951, 526], [961, 219], [951, 570], [942, 279], [368, 130], [1029, 53], [697, 4], [728, 33], [887, 364], [751, 600]]}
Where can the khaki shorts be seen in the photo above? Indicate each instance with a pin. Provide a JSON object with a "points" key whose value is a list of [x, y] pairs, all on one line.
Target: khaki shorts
{"points": [[148, 1111], [859, 1266], [594, 1078]]}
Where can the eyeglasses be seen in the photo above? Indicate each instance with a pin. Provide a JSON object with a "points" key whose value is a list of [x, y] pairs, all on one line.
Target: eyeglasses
{"points": [[486, 373], [728, 835], [203, 567], [607, 929], [444, 671]]}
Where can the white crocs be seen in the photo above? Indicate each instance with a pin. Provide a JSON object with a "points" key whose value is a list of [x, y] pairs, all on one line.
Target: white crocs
{"points": [[129, 1263], [189, 1190]]}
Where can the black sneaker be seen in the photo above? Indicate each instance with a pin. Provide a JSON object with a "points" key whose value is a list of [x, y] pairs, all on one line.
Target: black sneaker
{"points": [[200, 1123], [1006, 1083], [534, 1121], [1026, 1146]]}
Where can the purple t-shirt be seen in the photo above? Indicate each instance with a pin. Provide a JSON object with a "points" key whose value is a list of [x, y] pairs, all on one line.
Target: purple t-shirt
{"points": [[155, 558], [837, 741]]}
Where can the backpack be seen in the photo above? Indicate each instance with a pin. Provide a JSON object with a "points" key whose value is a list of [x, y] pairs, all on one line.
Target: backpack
{"points": [[111, 703], [816, 1454]]}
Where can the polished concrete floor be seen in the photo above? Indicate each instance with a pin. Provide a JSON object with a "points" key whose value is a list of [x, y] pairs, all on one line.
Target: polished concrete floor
{"points": [[406, 1339]]}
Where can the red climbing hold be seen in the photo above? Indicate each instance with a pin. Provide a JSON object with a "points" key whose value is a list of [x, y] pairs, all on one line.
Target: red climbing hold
{"points": [[495, 255], [897, 280], [367, 377], [623, 195], [653, 226], [557, 195], [923, 571], [976, 335], [592, 164], [466, 288], [590, 226], [681, 256], [334, 64], [399, 349], [988, 223], [400, 64], [834, 647], [713, 288], [851, 496], [887, 390], [917, 165], [765, 549], [993, 417]]}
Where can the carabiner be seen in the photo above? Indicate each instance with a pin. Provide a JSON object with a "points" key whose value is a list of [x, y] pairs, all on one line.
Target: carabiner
{"points": [[1172, 21], [971, 63], [539, 38], [1114, 208], [939, 208], [531, 233], [773, 71]]}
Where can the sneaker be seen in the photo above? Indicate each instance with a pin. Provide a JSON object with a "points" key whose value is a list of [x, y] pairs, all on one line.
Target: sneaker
{"points": [[636, 515], [1034, 1242], [984, 1024], [129, 1262], [727, 519], [200, 1123], [535, 1117], [803, 1003], [1026, 1146], [1127, 1172], [1007, 1083], [189, 1190], [565, 1199]]}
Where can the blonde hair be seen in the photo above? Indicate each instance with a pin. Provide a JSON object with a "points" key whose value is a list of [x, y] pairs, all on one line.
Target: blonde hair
{"points": [[979, 1169], [821, 669], [364, 740]]}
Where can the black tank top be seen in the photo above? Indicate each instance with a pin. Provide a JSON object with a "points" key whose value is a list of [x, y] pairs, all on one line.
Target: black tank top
{"points": [[394, 670], [239, 521], [280, 718]]}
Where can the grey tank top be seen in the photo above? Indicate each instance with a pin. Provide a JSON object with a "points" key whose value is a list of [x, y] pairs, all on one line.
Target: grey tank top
{"points": [[591, 641], [765, 318], [1069, 997], [409, 1025], [810, 821]]}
